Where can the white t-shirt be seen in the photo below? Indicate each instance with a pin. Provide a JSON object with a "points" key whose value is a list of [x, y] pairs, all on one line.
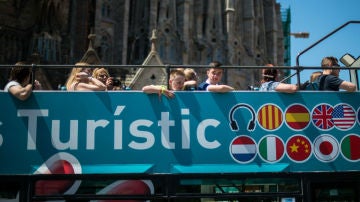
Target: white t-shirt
{"points": [[10, 84]]}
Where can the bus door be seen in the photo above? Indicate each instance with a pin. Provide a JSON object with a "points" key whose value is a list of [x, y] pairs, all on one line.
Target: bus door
{"points": [[334, 191], [332, 186]]}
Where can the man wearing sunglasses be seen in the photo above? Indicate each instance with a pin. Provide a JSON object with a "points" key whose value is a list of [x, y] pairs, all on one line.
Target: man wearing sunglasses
{"points": [[329, 80]]}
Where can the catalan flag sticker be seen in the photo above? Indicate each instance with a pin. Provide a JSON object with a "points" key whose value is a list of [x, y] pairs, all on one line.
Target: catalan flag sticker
{"points": [[270, 117], [350, 145], [297, 117], [271, 148], [298, 148]]}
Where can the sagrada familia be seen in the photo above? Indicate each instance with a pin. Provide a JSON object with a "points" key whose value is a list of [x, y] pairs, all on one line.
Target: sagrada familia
{"points": [[188, 32]]}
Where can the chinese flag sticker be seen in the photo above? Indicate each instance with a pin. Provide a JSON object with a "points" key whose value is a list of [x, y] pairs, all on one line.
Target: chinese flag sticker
{"points": [[298, 148]]}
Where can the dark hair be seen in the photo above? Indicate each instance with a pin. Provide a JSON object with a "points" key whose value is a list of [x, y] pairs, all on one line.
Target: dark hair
{"points": [[215, 64], [19, 72], [270, 74], [329, 61]]}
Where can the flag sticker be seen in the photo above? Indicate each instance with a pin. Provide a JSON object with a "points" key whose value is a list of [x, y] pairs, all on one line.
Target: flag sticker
{"points": [[343, 116], [243, 149], [350, 147], [297, 117], [270, 117], [326, 148], [358, 116], [298, 148], [271, 148], [322, 117]]}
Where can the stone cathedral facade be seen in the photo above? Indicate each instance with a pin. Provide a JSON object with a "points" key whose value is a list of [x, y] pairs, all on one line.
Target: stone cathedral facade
{"points": [[194, 32]]}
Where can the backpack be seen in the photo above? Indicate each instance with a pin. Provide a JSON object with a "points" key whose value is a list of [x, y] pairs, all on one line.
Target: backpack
{"points": [[318, 84]]}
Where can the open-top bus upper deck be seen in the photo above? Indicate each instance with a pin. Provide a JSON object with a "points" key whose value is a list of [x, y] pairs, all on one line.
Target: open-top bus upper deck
{"points": [[230, 142]]}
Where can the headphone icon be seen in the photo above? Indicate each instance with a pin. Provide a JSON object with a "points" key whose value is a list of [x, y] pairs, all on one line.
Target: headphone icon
{"points": [[233, 124]]}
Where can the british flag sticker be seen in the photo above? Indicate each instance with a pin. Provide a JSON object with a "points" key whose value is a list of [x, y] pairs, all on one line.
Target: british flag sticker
{"points": [[322, 116]]}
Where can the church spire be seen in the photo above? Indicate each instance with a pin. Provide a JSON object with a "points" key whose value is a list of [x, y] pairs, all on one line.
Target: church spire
{"points": [[153, 40]]}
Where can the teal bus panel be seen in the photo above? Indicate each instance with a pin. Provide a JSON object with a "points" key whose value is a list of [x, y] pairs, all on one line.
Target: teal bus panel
{"points": [[195, 132]]}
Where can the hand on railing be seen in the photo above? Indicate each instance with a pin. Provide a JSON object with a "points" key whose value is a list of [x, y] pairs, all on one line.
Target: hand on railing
{"points": [[37, 85]]}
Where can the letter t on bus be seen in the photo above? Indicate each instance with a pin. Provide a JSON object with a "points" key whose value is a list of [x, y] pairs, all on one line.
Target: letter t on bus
{"points": [[32, 114]]}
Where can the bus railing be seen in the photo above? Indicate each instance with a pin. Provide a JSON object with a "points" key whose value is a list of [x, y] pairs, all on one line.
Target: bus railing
{"points": [[38, 129], [291, 71]]}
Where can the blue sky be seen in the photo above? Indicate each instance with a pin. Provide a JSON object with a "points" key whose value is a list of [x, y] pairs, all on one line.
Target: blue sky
{"points": [[319, 18]]}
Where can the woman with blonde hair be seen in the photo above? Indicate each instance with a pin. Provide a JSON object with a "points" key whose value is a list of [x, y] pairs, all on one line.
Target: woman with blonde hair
{"points": [[103, 75], [80, 79], [191, 79]]}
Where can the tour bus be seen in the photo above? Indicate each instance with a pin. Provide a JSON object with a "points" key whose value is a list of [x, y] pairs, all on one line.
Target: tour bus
{"points": [[198, 146], [246, 146]]}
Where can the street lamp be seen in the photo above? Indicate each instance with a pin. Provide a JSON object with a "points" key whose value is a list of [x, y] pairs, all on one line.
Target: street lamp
{"points": [[300, 34]]}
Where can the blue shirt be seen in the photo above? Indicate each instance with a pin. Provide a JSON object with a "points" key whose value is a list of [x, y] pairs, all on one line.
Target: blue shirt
{"points": [[269, 86], [203, 85]]}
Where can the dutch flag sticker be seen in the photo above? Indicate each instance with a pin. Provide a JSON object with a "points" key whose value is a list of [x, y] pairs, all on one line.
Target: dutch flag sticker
{"points": [[243, 149]]}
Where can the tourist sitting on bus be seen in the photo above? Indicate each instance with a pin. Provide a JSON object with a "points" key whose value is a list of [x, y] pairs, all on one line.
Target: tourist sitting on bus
{"points": [[314, 76], [212, 83], [191, 79], [20, 82], [311, 84], [80, 79], [270, 83], [329, 80], [103, 75], [176, 83]]}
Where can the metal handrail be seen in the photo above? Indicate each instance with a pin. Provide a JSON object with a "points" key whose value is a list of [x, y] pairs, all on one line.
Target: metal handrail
{"points": [[299, 69]]}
